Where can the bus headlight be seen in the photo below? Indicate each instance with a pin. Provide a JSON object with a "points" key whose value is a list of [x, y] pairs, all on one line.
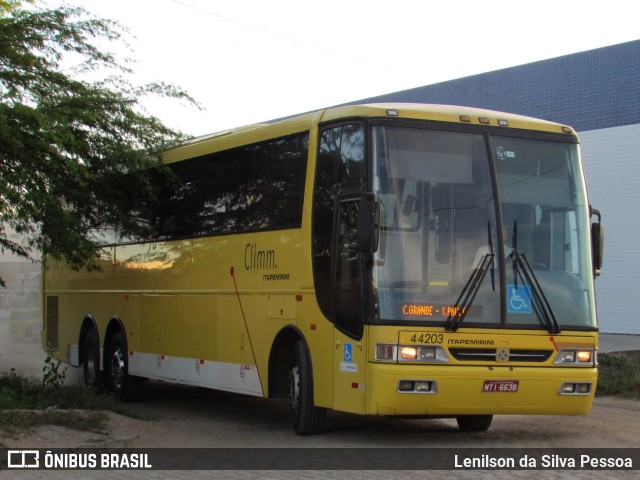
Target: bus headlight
{"points": [[423, 387], [409, 353], [427, 353], [417, 386], [583, 388], [387, 352], [584, 356], [575, 388], [567, 356], [575, 357]]}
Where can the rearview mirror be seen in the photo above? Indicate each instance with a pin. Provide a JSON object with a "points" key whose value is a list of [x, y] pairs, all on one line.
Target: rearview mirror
{"points": [[597, 242]]}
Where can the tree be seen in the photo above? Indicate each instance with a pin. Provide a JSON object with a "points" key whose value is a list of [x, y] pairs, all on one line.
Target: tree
{"points": [[72, 150]]}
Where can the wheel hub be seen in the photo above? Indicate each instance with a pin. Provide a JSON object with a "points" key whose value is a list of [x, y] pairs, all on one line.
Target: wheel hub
{"points": [[294, 388], [117, 369]]}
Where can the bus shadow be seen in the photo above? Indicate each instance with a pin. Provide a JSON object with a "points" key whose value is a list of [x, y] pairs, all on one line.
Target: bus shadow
{"points": [[261, 420]]}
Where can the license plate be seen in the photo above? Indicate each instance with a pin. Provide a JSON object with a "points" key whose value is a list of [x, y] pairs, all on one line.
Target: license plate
{"points": [[503, 386]]}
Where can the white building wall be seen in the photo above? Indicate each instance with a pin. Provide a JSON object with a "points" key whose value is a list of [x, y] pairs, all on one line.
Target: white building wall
{"points": [[612, 167]]}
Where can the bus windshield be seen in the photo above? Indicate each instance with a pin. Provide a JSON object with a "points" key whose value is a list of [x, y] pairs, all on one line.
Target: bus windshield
{"points": [[456, 245]]}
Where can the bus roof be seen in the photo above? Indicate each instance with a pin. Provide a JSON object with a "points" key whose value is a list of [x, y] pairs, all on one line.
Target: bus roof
{"points": [[441, 113]]}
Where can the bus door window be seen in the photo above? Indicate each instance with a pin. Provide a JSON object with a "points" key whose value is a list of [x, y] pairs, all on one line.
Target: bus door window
{"points": [[340, 169], [348, 298]]}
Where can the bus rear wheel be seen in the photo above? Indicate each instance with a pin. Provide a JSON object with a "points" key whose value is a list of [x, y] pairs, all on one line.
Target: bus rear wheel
{"points": [[128, 388], [91, 360], [474, 423], [306, 418]]}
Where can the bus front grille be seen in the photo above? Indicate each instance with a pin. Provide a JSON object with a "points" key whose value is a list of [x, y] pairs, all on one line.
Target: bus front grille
{"points": [[492, 354]]}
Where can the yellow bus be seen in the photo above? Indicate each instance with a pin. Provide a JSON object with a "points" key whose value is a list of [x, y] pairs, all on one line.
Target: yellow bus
{"points": [[386, 259]]}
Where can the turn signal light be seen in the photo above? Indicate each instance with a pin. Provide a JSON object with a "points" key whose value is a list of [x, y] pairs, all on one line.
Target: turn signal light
{"points": [[385, 352]]}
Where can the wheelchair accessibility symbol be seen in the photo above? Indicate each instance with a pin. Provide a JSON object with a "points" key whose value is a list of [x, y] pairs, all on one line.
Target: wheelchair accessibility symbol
{"points": [[348, 352], [518, 299]]}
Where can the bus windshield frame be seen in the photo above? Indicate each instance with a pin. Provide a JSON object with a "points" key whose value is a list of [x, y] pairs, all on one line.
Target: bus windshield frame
{"points": [[444, 194]]}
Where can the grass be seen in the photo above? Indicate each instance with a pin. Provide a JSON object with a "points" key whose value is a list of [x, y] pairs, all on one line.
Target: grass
{"points": [[16, 421], [619, 375], [27, 403]]}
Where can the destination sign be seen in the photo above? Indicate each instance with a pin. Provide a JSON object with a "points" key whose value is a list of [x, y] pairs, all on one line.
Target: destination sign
{"points": [[416, 310]]}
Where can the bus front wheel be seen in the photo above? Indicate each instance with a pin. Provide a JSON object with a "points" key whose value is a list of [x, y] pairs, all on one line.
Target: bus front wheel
{"points": [[128, 388], [474, 423], [306, 418]]}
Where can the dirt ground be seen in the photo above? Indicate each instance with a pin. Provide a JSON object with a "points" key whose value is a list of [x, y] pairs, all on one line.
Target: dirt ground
{"points": [[613, 423]]}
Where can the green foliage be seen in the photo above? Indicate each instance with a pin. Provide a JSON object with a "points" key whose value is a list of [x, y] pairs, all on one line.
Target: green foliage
{"points": [[618, 375], [52, 374], [25, 403], [17, 392], [65, 140], [8, 5], [19, 421]]}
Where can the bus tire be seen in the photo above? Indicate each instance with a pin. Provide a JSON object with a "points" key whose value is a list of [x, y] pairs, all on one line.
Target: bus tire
{"points": [[306, 418], [91, 360], [128, 388], [474, 423]]}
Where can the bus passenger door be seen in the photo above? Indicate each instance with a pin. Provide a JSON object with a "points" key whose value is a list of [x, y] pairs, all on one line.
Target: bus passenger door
{"points": [[348, 312]]}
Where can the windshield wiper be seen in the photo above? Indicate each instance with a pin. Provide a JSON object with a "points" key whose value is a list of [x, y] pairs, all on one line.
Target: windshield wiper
{"points": [[470, 290], [522, 269]]}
